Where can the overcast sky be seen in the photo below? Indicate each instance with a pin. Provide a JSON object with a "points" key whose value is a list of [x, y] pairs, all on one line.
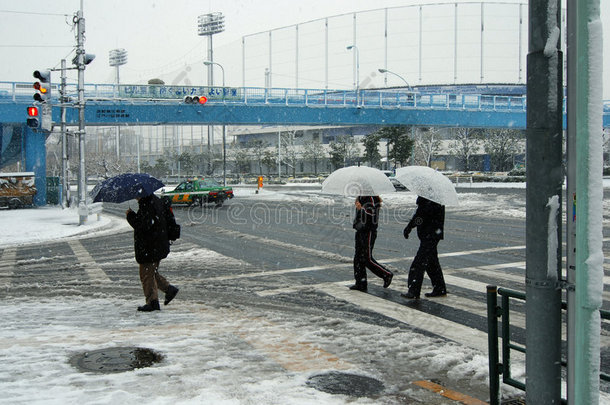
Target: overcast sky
{"points": [[159, 35]]}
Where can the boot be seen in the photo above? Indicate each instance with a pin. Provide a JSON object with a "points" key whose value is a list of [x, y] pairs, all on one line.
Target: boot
{"points": [[153, 306], [359, 287], [437, 293], [387, 280], [170, 294]]}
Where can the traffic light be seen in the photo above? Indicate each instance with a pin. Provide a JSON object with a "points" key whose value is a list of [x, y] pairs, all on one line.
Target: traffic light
{"points": [[195, 100], [43, 96], [32, 120], [43, 86]]}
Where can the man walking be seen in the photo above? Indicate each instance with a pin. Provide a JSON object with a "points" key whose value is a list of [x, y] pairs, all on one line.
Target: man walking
{"points": [[151, 245], [429, 218]]}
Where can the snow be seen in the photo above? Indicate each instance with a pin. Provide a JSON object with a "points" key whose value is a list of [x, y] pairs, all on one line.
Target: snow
{"points": [[40, 334], [34, 225], [553, 236]]}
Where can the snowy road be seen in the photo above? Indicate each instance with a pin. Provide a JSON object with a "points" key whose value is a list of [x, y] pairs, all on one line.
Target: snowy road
{"points": [[263, 306]]}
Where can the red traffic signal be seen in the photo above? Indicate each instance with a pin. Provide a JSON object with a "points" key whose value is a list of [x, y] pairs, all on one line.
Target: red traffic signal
{"points": [[32, 111], [32, 120], [195, 100]]}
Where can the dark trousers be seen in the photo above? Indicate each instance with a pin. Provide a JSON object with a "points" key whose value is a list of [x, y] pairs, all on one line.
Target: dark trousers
{"points": [[151, 281], [363, 258], [426, 260]]}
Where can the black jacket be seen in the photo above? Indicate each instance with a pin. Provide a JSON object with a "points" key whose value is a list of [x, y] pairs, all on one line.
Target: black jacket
{"points": [[429, 220], [150, 230], [367, 218]]}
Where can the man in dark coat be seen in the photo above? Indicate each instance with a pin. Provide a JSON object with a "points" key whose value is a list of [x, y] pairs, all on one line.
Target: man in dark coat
{"points": [[429, 218], [151, 245], [365, 224]]}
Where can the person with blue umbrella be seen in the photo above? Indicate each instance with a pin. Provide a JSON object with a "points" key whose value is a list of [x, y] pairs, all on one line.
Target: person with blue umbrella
{"points": [[151, 245], [149, 223]]}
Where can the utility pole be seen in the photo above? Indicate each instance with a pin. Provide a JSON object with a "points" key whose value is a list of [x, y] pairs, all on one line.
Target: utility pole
{"points": [[81, 60], [65, 177], [80, 63], [543, 202]]}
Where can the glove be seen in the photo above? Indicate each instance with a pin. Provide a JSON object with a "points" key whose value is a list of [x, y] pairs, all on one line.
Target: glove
{"points": [[406, 232]]}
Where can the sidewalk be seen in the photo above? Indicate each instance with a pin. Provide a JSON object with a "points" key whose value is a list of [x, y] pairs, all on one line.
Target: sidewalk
{"points": [[42, 224]]}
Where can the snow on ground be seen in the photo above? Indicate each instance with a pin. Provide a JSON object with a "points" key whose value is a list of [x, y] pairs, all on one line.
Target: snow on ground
{"points": [[208, 350], [52, 223]]}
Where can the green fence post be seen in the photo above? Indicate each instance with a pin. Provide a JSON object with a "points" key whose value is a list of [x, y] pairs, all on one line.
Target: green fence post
{"points": [[495, 368]]}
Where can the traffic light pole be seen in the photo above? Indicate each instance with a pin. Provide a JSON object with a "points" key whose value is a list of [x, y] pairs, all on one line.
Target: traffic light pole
{"points": [[65, 178], [82, 177], [543, 202]]}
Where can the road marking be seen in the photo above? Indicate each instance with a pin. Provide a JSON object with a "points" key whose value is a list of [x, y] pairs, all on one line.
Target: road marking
{"points": [[447, 393], [441, 327], [275, 272], [93, 270], [331, 266], [285, 245], [333, 256], [7, 265]]}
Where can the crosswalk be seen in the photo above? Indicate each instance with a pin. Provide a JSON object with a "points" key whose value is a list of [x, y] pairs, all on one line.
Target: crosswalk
{"points": [[466, 290]]}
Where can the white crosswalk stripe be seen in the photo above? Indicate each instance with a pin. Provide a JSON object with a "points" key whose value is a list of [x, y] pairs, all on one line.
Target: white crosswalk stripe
{"points": [[8, 262], [93, 270]]}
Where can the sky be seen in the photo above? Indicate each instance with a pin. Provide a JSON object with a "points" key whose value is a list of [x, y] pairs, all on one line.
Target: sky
{"points": [[160, 36]]}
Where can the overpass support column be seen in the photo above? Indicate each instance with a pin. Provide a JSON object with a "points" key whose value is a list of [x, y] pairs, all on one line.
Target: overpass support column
{"points": [[36, 161]]}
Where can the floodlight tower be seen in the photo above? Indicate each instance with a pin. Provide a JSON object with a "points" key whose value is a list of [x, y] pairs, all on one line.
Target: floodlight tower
{"points": [[116, 58], [208, 25]]}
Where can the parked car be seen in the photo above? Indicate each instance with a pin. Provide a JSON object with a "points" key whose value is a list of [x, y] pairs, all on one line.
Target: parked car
{"points": [[198, 192], [397, 184], [17, 190]]}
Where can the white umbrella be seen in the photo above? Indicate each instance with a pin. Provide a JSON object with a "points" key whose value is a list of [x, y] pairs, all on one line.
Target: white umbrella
{"points": [[355, 181], [428, 183]]}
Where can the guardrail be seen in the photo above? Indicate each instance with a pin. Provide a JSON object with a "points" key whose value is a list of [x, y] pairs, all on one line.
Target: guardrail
{"points": [[379, 98], [497, 367]]}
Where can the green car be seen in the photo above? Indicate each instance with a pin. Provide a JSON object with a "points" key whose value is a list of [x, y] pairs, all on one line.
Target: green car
{"points": [[198, 192]]}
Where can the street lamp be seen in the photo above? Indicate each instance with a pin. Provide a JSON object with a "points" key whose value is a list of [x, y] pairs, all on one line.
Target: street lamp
{"points": [[357, 79], [396, 74], [208, 25], [224, 127]]}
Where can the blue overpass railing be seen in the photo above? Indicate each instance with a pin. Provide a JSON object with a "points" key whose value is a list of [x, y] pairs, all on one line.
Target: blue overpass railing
{"points": [[109, 104], [390, 98]]}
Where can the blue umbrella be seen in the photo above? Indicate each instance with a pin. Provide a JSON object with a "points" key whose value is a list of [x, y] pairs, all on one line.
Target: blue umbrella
{"points": [[124, 187]]}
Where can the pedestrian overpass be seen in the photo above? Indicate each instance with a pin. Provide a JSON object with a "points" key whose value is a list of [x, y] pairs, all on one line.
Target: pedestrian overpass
{"points": [[159, 105], [481, 106]]}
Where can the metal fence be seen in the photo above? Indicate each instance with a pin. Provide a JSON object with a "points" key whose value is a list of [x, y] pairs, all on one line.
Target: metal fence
{"points": [[497, 367]]}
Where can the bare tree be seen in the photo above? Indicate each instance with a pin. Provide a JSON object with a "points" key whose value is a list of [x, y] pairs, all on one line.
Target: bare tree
{"points": [[313, 152], [240, 157], [289, 150], [270, 160], [501, 145], [256, 148], [343, 151], [464, 145], [427, 144]]}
